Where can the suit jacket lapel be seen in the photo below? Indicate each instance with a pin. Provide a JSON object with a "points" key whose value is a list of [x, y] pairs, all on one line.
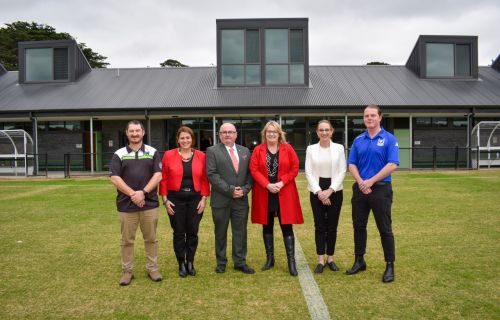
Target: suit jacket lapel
{"points": [[241, 156]]}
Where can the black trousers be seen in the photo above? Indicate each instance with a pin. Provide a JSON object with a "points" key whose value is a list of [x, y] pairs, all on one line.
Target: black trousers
{"points": [[326, 219], [286, 229], [185, 223], [380, 202]]}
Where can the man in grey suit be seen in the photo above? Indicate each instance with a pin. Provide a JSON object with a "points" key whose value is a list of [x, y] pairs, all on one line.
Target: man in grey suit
{"points": [[228, 173]]}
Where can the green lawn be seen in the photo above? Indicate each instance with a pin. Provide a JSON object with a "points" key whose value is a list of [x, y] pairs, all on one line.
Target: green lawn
{"points": [[60, 258]]}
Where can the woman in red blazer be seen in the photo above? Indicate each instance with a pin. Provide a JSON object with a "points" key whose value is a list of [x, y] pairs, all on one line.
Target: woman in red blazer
{"points": [[185, 184], [274, 166]]}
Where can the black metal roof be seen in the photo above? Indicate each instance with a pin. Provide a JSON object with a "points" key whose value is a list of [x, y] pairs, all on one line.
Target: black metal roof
{"points": [[194, 88]]}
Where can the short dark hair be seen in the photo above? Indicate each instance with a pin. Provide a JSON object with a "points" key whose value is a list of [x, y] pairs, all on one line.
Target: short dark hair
{"points": [[135, 122], [187, 130], [374, 106]]}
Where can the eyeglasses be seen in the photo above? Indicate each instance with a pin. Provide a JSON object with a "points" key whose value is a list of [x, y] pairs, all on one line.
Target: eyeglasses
{"points": [[324, 130], [223, 133]]}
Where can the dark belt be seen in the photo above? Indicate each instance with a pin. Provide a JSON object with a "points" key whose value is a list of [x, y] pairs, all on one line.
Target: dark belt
{"points": [[382, 183]]}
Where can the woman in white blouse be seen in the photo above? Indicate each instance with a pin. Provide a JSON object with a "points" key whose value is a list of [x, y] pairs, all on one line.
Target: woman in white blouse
{"points": [[325, 172]]}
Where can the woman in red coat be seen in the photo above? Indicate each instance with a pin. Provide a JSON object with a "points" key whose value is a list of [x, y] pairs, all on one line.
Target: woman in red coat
{"points": [[274, 166], [185, 184]]}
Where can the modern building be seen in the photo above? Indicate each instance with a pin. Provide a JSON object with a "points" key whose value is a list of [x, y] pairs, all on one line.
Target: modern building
{"points": [[262, 73]]}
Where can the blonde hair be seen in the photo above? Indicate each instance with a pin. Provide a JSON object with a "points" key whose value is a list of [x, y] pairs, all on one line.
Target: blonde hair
{"points": [[325, 121], [277, 127]]}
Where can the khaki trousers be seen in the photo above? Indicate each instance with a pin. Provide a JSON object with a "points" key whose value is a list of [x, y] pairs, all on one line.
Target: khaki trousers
{"points": [[147, 220]]}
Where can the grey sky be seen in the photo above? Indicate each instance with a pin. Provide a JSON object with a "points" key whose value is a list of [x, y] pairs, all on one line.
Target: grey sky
{"points": [[341, 32]]}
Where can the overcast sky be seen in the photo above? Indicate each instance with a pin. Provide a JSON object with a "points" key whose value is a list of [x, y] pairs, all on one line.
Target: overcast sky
{"points": [[146, 32]]}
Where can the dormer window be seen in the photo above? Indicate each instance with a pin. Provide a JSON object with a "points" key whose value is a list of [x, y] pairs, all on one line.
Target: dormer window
{"points": [[262, 52], [46, 64], [448, 57], [57, 61], [447, 60]]}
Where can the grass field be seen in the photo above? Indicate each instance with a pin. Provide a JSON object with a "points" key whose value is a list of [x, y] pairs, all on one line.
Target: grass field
{"points": [[60, 258]]}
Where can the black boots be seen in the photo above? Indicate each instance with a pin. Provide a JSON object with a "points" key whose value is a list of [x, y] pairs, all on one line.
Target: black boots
{"points": [[290, 254], [269, 245], [182, 268], [190, 268], [359, 265], [389, 272]]}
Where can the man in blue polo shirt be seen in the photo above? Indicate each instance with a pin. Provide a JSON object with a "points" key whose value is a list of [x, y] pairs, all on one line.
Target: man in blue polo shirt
{"points": [[135, 171], [374, 156]]}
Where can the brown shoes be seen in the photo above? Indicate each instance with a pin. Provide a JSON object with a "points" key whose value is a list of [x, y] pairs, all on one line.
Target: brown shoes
{"points": [[155, 276], [126, 278]]}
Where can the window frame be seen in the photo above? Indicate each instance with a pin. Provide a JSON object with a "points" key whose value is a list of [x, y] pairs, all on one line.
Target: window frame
{"points": [[455, 61], [289, 62], [470, 41], [245, 63], [53, 73]]}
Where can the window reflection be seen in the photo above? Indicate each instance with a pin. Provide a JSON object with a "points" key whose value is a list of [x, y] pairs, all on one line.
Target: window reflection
{"points": [[276, 74], [440, 61], [276, 46], [232, 46], [39, 64]]}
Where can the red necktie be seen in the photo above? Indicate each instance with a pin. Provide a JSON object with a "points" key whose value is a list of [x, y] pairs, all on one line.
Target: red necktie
{"points": [[233, 159]]}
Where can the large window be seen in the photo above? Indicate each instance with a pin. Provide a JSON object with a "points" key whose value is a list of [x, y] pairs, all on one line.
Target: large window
{"points": [[240, 57], [448, 60], [46, 64], [284, 52]]}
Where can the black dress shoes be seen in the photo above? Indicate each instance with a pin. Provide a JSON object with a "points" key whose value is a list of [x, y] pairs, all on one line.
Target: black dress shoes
{"points": [[332, 266], [190, 268], [389, 273], [245, 269], [319, 268], [220, 269], [359, 265]]}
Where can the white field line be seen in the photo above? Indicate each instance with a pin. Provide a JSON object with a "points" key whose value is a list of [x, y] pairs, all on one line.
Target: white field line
{"points": [[315, 303]]}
